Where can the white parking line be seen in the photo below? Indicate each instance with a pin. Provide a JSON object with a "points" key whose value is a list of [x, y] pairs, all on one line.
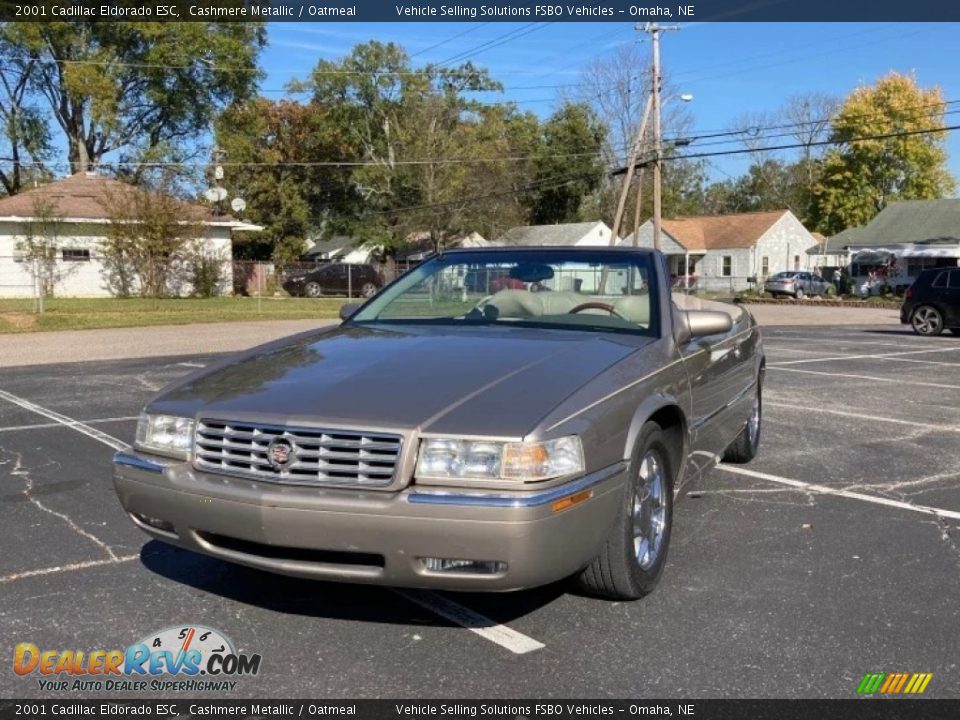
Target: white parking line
{"points": [[839, 340], [825, 490], [486, 628], [69, 422], [863, 416], [866, 357], [66, 568], [44, 426], [899, 381]]}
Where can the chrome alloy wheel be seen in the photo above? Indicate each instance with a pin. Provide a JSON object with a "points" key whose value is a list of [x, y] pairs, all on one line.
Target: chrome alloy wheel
{"points": [[927, 320], [753, 424], [649, 511]]}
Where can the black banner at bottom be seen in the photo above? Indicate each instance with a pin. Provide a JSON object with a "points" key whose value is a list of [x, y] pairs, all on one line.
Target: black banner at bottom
{"points": [[864, 708]]}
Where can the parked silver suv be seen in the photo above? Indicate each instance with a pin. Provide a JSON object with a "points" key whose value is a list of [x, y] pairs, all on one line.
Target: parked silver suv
{"points": [[796, 283]]}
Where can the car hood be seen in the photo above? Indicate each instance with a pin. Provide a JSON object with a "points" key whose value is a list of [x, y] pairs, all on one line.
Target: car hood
{"points": [[479, 381]]}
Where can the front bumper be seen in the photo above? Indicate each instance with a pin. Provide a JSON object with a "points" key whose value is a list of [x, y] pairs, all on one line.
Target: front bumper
{"points": [[368, 536]]}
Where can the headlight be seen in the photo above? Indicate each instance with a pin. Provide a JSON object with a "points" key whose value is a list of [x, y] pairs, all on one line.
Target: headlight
{"points": [[165, 435], [450, 458]]}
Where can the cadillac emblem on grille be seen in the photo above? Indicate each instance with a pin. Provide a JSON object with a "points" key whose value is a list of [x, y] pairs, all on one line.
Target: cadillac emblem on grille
{"points": [[280, 453]]}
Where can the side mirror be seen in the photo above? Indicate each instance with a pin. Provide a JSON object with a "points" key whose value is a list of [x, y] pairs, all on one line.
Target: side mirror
{"points": [[348, 309], [700, 323]]}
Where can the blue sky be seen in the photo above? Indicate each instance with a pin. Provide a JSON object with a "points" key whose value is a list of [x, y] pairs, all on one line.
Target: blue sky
{"points": [[731, 68]]}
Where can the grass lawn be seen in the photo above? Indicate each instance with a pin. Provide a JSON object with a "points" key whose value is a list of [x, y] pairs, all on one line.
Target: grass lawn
{"points": [[17, 316]]}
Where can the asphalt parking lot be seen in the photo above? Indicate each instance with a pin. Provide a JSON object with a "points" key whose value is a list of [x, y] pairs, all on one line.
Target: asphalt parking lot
{"points": [[835, 553]]}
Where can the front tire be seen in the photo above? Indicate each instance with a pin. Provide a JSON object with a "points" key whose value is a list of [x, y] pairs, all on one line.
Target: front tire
{"points": [[632, 557], [799, 294], [927, 320], [368, 290], [744, 448], [312, 290]]}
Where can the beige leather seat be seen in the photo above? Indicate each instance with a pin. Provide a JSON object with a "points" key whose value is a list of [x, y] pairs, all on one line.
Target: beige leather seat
{"points": [[635, 308], [516, 304], [559, 302]]}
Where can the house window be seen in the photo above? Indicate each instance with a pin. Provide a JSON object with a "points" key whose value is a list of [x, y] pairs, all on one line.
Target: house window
{"points": [[765, 266], [75, 255], [726, 265], [796, 262]]}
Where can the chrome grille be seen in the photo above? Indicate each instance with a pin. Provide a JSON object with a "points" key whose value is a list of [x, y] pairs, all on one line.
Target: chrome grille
{"points": [[317, 456]]}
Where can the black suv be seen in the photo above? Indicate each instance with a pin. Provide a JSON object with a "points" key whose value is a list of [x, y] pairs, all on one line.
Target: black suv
{"points": [[932, 303], [350, 279]]}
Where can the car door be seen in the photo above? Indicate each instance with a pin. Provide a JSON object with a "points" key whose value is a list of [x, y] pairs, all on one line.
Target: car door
{"points": [[338, 279], [951, 299], [720, 374]]}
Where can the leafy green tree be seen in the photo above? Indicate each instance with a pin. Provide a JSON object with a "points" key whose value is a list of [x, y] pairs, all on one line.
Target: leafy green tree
{"points": [[271, 153], [408, 127], [24, 130], [141, 88], [568, 165], [860, 177]]}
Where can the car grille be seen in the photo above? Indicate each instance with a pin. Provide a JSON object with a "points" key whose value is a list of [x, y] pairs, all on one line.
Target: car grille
{"points": [[315, 456]]}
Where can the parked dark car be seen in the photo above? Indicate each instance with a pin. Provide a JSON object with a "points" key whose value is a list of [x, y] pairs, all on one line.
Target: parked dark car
{"points": [[797, 284], [932, 304], [335, 279]]}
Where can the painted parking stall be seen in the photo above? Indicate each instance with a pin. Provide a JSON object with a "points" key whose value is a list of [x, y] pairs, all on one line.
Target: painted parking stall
{"points": [[841, 541]]}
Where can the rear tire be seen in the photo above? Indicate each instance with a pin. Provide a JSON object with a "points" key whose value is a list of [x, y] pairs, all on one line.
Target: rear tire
{"points": [[632, 557], [745, 447], [927, 321], [368, 290]]}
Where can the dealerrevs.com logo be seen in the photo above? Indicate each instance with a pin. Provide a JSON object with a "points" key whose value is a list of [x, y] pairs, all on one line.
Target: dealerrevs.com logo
{"points": [[196, 657]]}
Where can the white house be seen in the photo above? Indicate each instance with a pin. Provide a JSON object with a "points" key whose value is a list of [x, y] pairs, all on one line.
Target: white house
{"points": [[898, 243], [77, 205], [584, 233], [729, 252]]}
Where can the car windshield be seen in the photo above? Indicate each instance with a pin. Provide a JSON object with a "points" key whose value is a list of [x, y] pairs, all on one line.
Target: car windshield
{"points": [[590, 290]]}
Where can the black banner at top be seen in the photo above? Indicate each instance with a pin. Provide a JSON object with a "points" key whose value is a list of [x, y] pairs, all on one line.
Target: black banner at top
{"points": [[481, 10]]}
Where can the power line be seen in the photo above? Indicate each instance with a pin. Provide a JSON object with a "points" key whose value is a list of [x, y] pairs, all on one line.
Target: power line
{"points": [[468, 31], [495, 42]]}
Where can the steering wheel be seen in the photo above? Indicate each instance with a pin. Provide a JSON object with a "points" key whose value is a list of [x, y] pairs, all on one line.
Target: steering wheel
{"points": [[597, 306]]}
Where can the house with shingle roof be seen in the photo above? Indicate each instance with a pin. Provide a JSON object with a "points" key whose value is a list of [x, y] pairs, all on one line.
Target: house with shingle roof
{"points": [[78, 205], [729, 252], [903, 239], [584, 233]]}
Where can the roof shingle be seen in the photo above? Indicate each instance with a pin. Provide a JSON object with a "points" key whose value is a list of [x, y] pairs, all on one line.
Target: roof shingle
{"points": [[721, 232], [560, 234], [84, 196]]}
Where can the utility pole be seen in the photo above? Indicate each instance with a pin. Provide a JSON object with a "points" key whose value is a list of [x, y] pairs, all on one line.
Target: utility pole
{"points": [[636, 210], [655, 29], [631, 164]]}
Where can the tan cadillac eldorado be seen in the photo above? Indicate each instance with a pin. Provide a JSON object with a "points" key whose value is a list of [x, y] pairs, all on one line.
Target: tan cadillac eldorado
{"points": [[495, 419]]}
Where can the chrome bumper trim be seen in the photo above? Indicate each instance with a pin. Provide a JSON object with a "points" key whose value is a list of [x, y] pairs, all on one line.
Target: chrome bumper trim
{"points": [[134, 461], [448, 497]]}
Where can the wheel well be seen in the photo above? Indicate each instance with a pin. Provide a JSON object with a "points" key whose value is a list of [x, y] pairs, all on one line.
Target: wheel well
{"points": [[674, 425]]}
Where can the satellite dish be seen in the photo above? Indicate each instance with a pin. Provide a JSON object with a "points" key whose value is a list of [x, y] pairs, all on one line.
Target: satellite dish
{"points": [[238, 205], [215, 194], [218, 173], [210, 194]]}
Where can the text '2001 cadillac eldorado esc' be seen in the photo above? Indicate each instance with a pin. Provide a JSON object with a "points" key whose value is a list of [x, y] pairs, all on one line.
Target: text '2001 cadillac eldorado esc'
{"points": [[460, 432]]}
